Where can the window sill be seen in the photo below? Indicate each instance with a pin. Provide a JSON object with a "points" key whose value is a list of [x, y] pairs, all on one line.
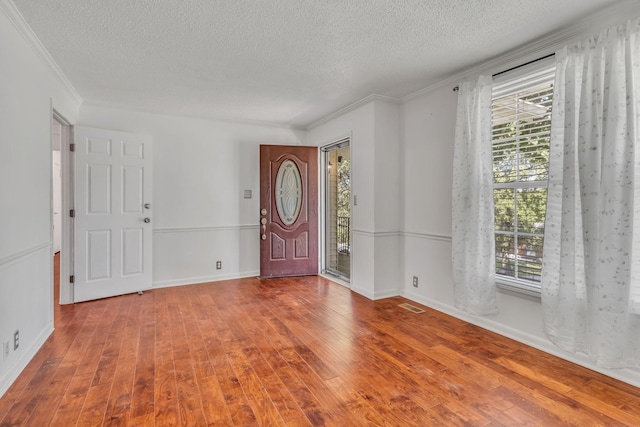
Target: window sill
{"points": [[519, 289]]}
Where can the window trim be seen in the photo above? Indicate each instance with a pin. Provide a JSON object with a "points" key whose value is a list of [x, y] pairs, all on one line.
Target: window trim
{"points": [[536, 73]]}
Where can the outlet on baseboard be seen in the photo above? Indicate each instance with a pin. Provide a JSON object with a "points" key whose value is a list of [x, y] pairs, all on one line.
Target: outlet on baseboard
{"points": [[218, 265], [16, 339], [5, 350], [415, 281]]}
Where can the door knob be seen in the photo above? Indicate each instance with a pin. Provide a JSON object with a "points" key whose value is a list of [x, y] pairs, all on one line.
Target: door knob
{"points": [[147, 220]]}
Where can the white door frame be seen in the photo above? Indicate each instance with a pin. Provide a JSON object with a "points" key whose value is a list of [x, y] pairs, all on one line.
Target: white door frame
{"points": [[66, 167], [323, 209]]}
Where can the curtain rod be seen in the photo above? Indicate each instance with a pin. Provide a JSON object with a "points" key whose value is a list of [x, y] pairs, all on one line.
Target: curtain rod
{"points": [[456, 88]]}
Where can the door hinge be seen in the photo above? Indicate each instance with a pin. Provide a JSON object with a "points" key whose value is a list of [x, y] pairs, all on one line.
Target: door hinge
{"points": [[72, 147], [72, 213], [72, 279]]}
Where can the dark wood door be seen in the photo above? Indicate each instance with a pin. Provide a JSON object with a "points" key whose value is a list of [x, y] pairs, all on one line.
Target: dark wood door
{"points": [[288, 210]]}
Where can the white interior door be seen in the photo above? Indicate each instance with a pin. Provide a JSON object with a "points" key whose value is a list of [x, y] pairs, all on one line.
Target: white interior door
{"points": [[113, 230]]}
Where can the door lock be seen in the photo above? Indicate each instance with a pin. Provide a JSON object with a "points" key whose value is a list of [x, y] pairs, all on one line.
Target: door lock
{"points": [[147, 220]]}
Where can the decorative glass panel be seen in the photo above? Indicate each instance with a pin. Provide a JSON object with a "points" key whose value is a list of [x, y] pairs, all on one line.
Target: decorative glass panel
{"points": [[288, 192]]}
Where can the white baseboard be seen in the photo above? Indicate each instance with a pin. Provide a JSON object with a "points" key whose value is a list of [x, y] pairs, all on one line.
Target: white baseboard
{"points": [[387, 294], [364, 292], [629, 376], [18, 366], [203, 279]]}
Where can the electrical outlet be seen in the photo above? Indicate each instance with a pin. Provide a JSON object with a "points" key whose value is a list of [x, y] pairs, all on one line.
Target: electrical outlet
{"points": [[218, 265], [16, 340], [5, 349], [415, 281]]}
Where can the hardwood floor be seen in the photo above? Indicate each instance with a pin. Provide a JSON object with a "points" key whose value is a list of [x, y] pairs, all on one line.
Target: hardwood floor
{"points": [[295, 352]]}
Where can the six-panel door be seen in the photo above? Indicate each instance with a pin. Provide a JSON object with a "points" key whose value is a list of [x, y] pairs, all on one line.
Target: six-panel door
{"points": [[113, 230]]}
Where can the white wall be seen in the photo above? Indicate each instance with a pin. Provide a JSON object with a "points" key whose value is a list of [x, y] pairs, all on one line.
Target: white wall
{"points": [[29, 87], [374, 128], [200, 171], [428, 129], [388, 196]]}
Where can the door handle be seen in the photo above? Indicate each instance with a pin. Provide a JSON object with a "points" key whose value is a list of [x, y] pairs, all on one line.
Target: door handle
{"points": [[147, 220]]}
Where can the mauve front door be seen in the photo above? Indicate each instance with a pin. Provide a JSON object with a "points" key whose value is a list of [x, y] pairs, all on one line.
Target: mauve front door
{"points": [[288, 210]]}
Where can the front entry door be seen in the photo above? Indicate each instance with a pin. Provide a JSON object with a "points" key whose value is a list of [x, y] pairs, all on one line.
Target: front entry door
{"points": [[288, 210], [112, 230]]}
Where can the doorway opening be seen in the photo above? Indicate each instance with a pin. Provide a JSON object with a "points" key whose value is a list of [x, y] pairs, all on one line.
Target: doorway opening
{"points": [[337, 198], [61, 205]]}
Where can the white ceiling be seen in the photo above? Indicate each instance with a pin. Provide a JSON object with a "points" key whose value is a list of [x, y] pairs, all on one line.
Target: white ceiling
{"points": [[288, 62]]}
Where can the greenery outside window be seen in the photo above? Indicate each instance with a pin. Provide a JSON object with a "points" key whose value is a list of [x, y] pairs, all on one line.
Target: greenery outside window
{"points": [[521, 122]]}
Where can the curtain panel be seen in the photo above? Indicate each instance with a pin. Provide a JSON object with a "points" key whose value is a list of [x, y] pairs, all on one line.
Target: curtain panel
{"points": [[473, 239], [591, 262]]}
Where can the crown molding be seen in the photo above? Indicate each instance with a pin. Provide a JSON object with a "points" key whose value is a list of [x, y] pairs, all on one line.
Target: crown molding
{"points": [[15, 17], [206, 118], [351, 107], [587, 27]]}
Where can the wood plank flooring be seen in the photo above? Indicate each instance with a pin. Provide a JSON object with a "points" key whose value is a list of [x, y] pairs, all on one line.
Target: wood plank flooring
{"points": [[296, 352]]}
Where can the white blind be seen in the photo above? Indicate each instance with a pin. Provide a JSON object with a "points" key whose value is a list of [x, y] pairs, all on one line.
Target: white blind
{"points": [[521, 125], [521, 120]]}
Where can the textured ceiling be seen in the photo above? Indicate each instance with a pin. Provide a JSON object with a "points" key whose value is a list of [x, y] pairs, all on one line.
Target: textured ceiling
{"points": [[288, 62]]}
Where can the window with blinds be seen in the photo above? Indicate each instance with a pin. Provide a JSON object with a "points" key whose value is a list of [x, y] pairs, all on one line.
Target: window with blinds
{"points": [[521, 121]]}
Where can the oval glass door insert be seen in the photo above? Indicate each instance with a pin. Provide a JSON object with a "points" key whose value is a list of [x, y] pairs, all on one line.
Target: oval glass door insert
{"points": [[288, 192]]}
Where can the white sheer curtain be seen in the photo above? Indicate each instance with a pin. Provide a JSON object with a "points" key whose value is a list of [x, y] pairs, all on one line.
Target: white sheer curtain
{"points": [[473, 239], [591, 267]]}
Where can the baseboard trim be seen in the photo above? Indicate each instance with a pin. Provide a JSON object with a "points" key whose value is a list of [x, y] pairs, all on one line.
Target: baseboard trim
{"points": [[386, 294], [628, 376], [203, 279], [364, 292], [21, 363]]}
